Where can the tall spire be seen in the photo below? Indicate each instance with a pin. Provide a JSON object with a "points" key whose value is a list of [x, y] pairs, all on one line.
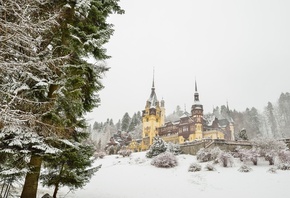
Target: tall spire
{"points": [[153, 98], [196, 95], [153, 84]]}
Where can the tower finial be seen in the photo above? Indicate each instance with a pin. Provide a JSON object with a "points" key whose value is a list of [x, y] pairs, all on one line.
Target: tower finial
{"points": [[195, 85], [153, 84]]}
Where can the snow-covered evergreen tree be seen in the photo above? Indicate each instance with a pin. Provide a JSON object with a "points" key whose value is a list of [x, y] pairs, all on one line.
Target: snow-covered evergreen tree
{"points": [[46, 84], [158, 146], [72, 167], [125, 122]]}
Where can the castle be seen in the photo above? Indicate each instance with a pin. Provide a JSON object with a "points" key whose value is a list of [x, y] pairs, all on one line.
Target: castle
{"points": [[189, 127]]}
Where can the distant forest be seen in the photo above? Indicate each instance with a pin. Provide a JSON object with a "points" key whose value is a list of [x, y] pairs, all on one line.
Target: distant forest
{"points": [[272, 121]]}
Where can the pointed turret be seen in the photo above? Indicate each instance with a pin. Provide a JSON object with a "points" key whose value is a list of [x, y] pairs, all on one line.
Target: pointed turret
{"points": [[196, 95], [197, 107], [152, 102]]}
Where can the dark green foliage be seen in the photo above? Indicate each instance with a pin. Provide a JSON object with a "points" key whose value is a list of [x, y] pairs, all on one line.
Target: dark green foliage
{"points": [[71, 167], [47, 81], [158, 146]]}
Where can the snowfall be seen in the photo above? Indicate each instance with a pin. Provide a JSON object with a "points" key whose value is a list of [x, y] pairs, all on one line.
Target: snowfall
{"points": [[134, 176]]}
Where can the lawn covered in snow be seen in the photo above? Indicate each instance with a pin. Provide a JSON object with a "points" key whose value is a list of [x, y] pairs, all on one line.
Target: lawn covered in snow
{"points": [[134, 176]]}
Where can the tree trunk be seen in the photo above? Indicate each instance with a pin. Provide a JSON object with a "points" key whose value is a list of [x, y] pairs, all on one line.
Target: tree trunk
{"points": [[57, 184], [55, 190], [31, 181]]}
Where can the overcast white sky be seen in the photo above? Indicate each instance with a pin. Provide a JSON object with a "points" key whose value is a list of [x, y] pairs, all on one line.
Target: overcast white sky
{"points": [[238, 51]]}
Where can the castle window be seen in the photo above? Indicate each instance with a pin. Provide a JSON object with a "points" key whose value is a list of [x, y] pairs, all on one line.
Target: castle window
{"points": [[156, 120], [185, 128]]}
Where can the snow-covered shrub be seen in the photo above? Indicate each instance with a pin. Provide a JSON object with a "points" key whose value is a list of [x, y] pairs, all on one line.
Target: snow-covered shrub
{"points": [[158, 146], [203, 155], [236, 153], [100, 154], [249, 155], [283, 166], [194, 167], [269, 148], [226, 159], [272, 170], [173, 148], [270, 156], [164, 160], [215, 152], [111, 150], [245, 168], [125, 152], [209, 167], [284, 156]]}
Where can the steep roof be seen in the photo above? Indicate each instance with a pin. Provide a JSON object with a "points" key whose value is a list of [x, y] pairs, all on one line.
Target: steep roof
{"points": [[153, 97]]}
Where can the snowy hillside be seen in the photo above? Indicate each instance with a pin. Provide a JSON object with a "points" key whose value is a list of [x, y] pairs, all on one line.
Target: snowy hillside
{"points": [[135, 177]]}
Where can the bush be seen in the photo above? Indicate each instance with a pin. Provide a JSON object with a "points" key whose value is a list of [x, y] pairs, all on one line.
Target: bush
{"points": [[284, 156], [209, 167], [100, 154], [272, 170], [284, 166], [267, 145], [226, 159], [194, 167], [244, 168], [249, 155], [270, 156], [125, 152], [215, 152], [173, 148], [164, 160], [203, 155], [158, 146]]}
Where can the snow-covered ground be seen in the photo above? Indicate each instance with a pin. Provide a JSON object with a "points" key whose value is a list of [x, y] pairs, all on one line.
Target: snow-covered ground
{"points": [[134, 177]]}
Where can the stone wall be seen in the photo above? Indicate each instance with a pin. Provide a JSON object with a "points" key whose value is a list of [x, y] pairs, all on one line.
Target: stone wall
{"points": [[193, 147]]}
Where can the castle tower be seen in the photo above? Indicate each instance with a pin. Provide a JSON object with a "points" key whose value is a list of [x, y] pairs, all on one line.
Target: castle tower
{"points": [[152, 117], [197, 114]]}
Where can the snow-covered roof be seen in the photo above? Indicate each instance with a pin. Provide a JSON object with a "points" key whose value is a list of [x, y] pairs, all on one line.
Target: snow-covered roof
{"points": [[153, 98]]}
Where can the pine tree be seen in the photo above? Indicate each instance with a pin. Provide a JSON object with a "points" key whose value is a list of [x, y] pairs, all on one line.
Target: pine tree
{"points": [[284, 114], [46, 84], [158, 146], [71, 167], [269, 111], [125, 122]]}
